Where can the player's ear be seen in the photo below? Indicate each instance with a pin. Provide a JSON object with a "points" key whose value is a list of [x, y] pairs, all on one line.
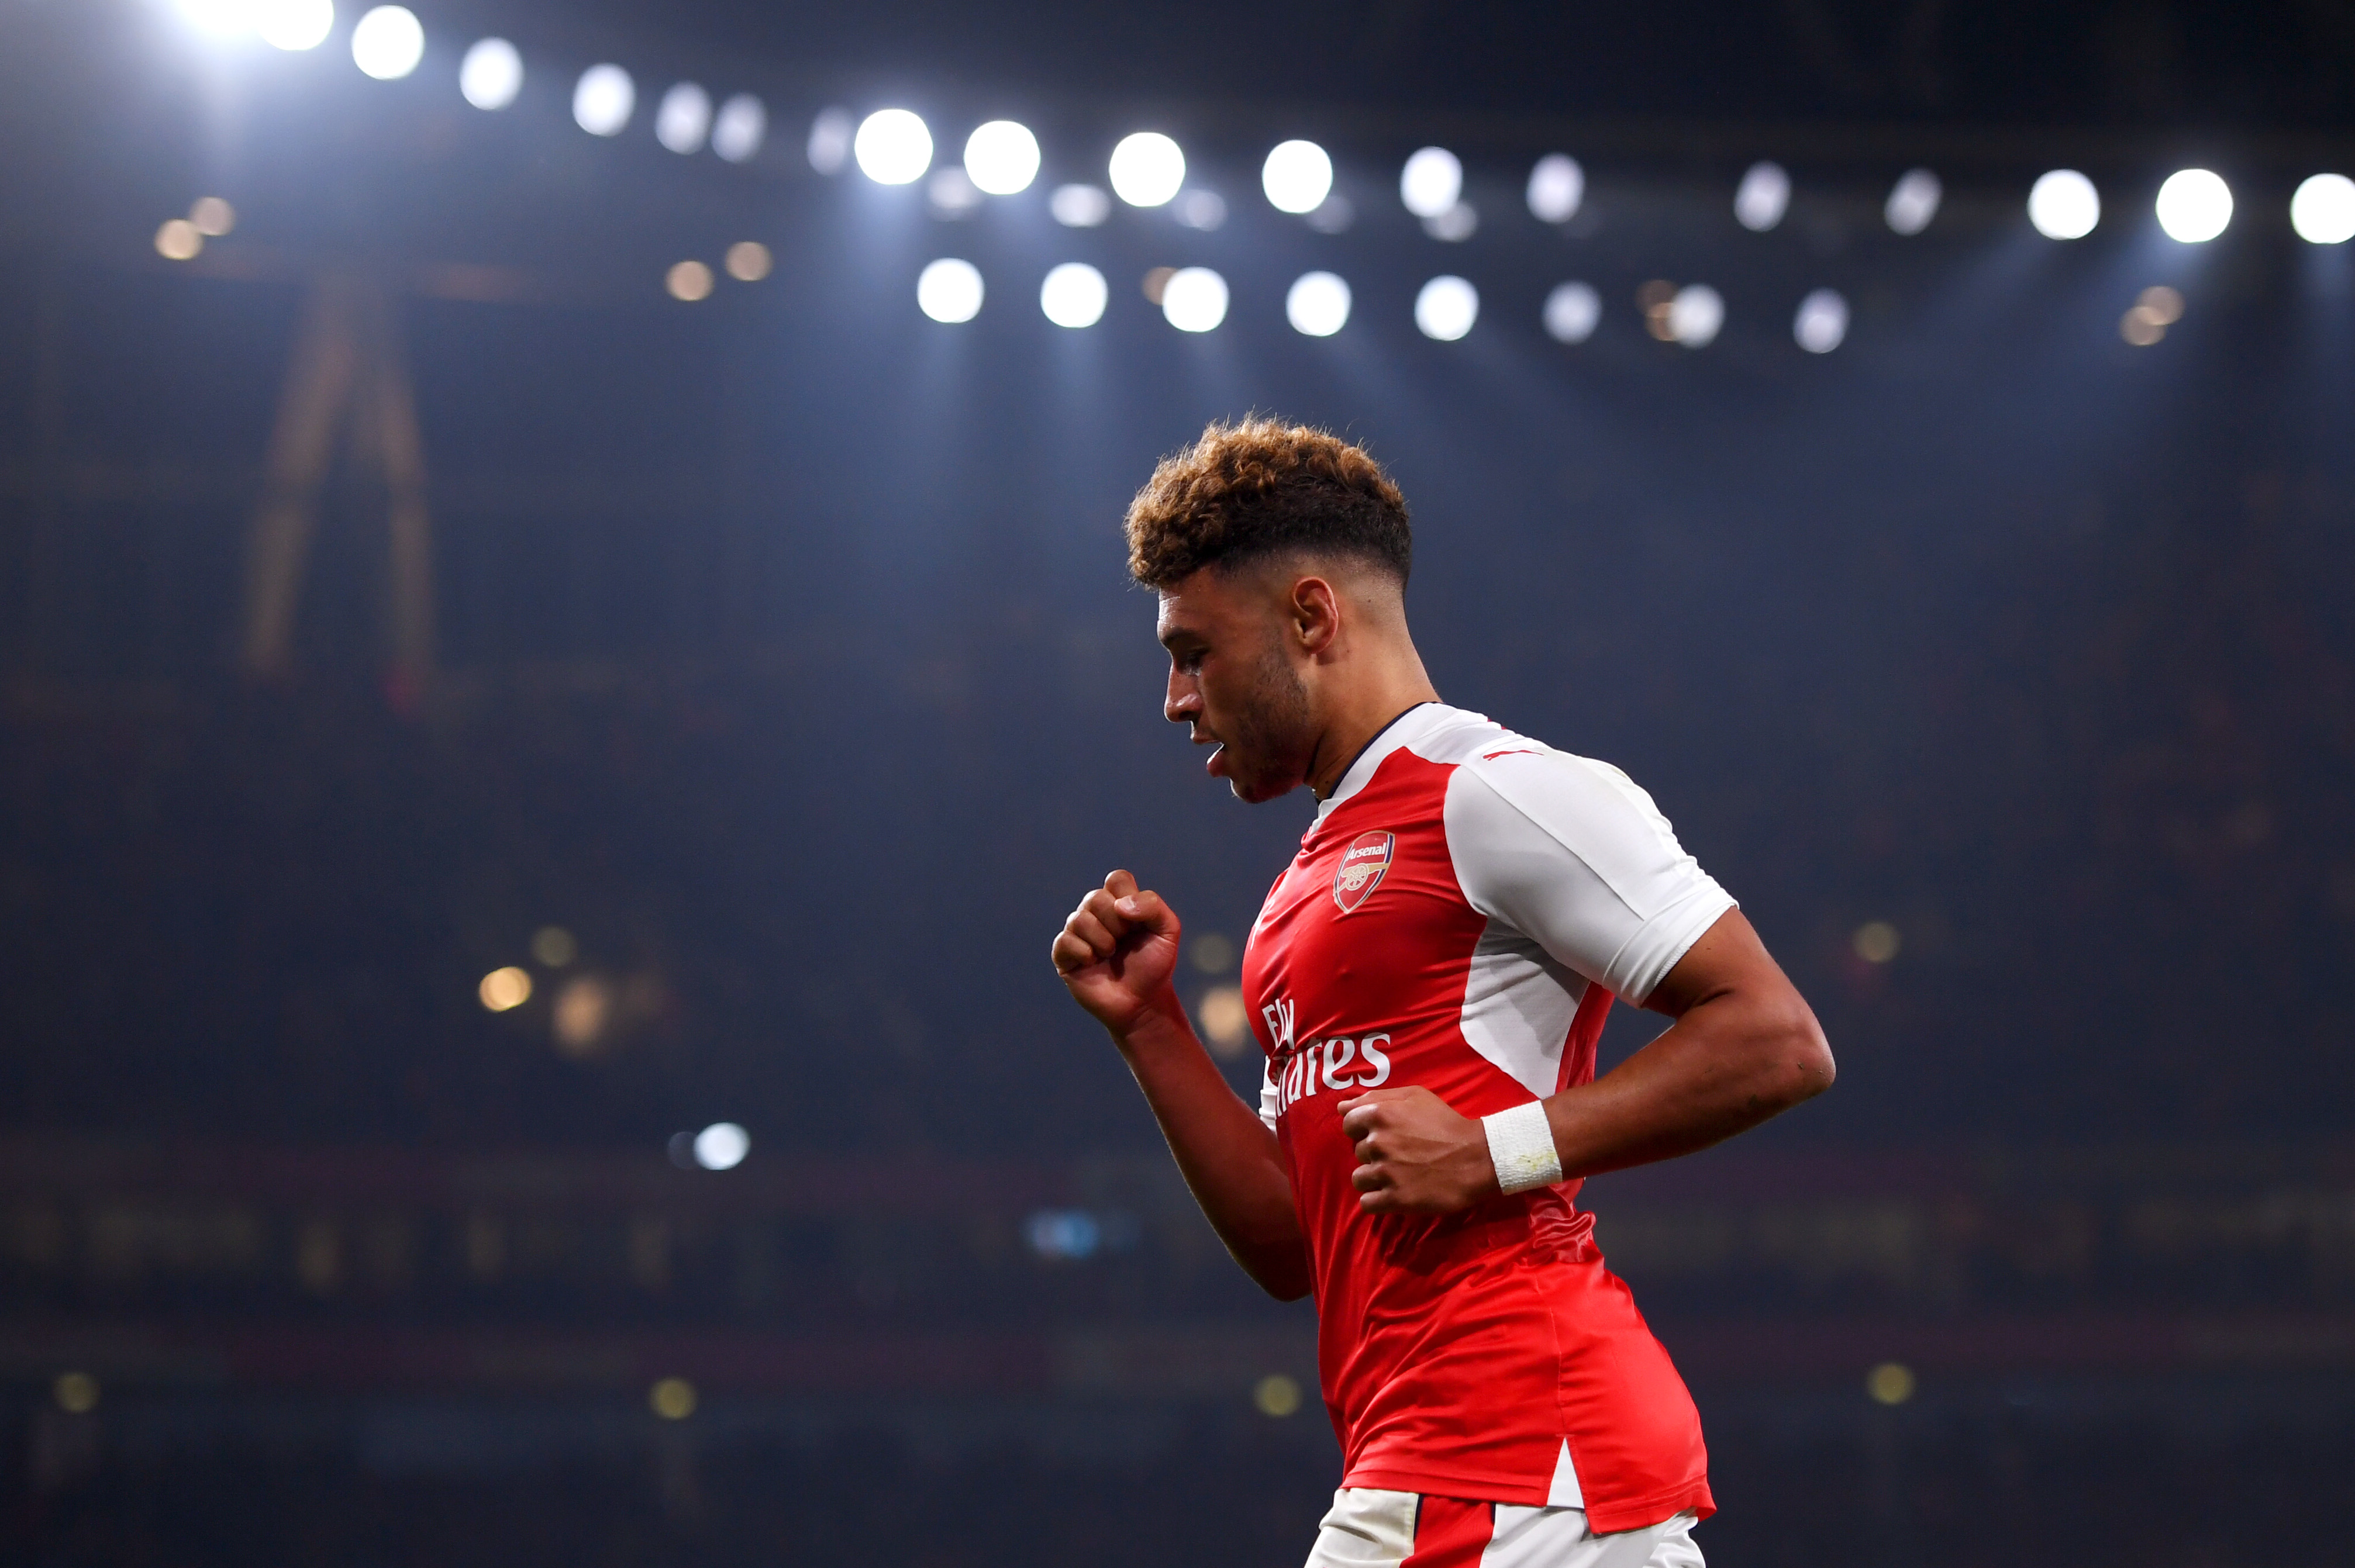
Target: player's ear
{"points": [[1316, 614]]}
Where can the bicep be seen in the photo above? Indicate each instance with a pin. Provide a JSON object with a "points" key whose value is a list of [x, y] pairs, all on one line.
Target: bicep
{"points": [[1727, 957]]}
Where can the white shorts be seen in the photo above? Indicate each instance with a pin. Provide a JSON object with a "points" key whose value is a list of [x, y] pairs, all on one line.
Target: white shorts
{"points": [[1370, 1529]]}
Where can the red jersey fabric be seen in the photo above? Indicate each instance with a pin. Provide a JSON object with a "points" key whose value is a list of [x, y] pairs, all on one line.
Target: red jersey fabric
{"points": [[1457, 918]]}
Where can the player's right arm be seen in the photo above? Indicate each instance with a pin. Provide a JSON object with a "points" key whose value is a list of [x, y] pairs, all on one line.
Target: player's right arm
{"points": [[1117, 955]]}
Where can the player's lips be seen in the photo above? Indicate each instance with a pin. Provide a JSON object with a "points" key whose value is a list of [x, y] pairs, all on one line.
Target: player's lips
{"points": [[1214, 765]]}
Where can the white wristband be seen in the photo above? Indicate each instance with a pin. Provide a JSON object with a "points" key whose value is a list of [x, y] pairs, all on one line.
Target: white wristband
{"points": [[1520, 1144]]}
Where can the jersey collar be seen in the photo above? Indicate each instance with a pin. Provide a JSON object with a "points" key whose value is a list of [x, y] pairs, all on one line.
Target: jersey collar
{"points": [[1404, 730]]}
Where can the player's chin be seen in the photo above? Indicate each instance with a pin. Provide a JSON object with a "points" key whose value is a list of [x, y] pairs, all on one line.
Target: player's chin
{"points": [[1253, 785]]}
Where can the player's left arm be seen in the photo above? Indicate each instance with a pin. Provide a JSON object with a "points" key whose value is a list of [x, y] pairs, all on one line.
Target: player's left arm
{"points": [[1744, 1046]]}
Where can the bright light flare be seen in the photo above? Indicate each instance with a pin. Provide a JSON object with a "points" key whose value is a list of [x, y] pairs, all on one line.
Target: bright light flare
{"points": [[1200, 209], [1194, 299], [603, 100], [294, 25], [1297, 176], [2323, 210], [893, 147], [1454, 226], [1074, 295], [1696, 315], [2194, 205], [1445, 308], [180, 241], [1572, 312], [829, 140], [722, 1146], [1557, 189], [1317, 306], [1763, 196], [388, 42], [2063, 204], [740, 128], [749, 261], [213, 216], [1079, 207], [1913, 201], [949, 290], [688, 281], [1821, 323], [491, 74], [504, 990], [1431, 181], [1001, 157], [221, 18], [1146, 169], [684, 118]]}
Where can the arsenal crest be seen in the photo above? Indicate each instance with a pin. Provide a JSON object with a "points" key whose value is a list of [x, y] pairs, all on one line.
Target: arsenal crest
{"points": [[1362, 866]]}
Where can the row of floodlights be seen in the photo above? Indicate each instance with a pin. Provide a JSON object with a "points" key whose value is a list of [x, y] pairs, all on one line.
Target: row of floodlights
{"points": [[1318, 304], [1147, 169]]}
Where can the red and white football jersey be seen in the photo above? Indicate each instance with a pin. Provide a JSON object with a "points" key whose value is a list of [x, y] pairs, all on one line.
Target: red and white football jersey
{"points": [[1459, 918]]}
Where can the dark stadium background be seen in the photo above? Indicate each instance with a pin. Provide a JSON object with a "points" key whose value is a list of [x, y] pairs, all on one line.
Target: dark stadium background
{"points": [[783, 659]]}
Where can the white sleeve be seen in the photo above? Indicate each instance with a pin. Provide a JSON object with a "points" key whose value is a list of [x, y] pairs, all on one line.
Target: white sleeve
{"points": [[1571, 855], [1268, 1105]]}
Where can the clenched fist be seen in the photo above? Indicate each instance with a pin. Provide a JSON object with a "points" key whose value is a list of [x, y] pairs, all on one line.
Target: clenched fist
{"points": [[1117, 951], [1416, 1154]]}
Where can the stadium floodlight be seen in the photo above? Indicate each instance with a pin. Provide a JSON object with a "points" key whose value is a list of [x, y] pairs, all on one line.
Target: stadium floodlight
{"points": [[722, 1146], [893, 148], [1913, 201], [491, 74], [683, 119], [2323, 210], [2194, 205], [1297, 176], [1431, 181], [1080, 207], [1572, 312], [1557, 187], [1695, 314], [949, 290], [1001, 157], [1194, 299], [387, 42], [1762, 197], [1074, 295], [739, 127], [1822, 321], [2063, 204], [1445, 308], [1148, 169], [294, 25], [1318, 304], [603, 100]]}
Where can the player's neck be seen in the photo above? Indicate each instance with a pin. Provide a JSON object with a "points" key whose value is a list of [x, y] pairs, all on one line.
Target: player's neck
{"points": [[1386, 687]]}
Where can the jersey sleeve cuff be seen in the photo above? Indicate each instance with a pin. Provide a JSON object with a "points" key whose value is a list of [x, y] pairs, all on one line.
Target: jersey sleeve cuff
{"points": [[1665, 939]]}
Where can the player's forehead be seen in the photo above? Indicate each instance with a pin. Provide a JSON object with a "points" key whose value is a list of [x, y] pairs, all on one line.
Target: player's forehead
{"points": [[1195, 607]]}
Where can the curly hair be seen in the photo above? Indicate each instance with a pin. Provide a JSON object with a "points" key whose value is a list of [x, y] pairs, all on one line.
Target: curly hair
{"points": [[1261, 487]]}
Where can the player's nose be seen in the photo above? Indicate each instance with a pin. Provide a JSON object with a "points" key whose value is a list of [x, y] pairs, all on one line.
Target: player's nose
{"points": [[1184, 702]]}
